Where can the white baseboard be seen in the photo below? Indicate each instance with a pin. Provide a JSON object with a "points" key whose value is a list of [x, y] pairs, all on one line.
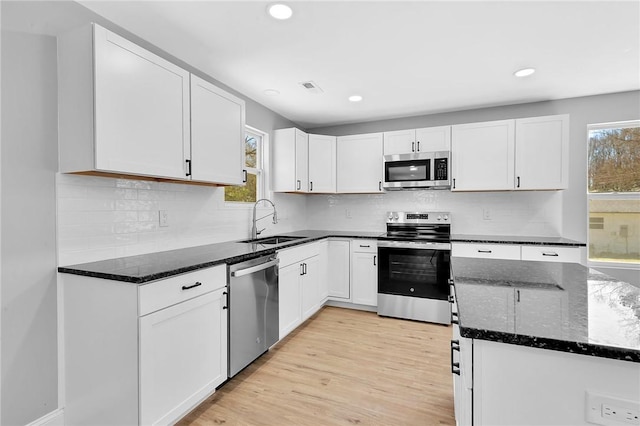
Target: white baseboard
{"points": [[54, 418]]}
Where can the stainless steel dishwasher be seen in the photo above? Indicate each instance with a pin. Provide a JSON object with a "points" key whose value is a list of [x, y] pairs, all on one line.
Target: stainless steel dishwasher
{"points": [[253, 310]]}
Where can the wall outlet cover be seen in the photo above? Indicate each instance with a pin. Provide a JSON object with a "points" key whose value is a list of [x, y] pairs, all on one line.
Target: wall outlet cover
{"points": [[610, 411]]}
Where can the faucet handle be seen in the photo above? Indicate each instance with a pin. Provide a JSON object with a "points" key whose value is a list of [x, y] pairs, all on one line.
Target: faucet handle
{"points": [[260, 231]]}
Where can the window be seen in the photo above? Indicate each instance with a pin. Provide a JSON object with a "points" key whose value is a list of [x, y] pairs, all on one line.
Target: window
{"points": [[614, 194], [252, 190]]}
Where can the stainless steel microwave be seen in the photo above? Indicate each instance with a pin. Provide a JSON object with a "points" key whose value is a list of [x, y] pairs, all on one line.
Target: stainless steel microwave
{"points": [[418, 170]]}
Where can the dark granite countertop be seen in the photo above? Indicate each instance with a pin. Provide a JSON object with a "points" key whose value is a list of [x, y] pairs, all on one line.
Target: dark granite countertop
{"points": [[145, 268], [513, 239], [560, 306]]}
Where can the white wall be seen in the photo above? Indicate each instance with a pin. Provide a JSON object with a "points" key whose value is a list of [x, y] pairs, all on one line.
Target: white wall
{"points": [[101, 218], [559, 213], [29, 163]]}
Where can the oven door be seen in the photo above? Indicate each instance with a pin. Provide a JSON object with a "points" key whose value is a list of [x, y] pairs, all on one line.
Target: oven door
{"points": [[414, 272]]}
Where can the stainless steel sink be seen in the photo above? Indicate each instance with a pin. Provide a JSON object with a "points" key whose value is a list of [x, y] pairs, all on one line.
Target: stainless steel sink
{"points": [[273, 240]]}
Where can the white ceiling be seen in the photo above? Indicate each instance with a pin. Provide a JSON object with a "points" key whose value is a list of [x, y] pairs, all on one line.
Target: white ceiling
{"points": [[404, 57]]}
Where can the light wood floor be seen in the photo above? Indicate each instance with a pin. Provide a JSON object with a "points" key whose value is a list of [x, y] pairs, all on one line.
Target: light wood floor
{"points": [[342, 367]]}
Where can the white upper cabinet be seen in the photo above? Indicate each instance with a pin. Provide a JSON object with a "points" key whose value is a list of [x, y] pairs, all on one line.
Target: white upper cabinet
{"points": [[290, 161], [322, 163], [399, 142], [359, 165], [542, 152], [419, 140], [217, 134], [482, 156], [124, 110], [128, 113], [522, 154]]}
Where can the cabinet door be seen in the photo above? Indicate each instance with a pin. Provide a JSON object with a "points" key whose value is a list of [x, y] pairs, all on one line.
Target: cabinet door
{"points": [[359, 163], [542, 152], [433, 139], [322, 163], [183, 356], [217, 134], [339, 269], [323, 273], [482, 156], [399, 142], [141, 110], [289, 307], [537, 308], [310, 287], [302, 161], [364, 278]]}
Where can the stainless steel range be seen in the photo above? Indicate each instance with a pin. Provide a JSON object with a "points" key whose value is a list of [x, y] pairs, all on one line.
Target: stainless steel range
{"points": [[413, 267]]}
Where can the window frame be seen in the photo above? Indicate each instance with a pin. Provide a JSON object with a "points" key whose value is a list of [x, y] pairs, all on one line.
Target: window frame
{"points": [[262, 160], [608, 195]]}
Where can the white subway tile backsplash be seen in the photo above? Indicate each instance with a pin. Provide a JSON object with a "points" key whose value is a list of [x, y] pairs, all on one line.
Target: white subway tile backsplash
{"points": [[101, 218]]}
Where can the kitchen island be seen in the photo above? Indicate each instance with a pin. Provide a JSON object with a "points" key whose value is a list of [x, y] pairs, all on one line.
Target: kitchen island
{"points": [[543, 342]]}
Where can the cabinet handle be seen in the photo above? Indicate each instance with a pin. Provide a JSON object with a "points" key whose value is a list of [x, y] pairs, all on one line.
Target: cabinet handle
{"points": [[363, 246], [374, 260], [413, 147], [418, 144], [188, 167], [310, 186], [518, 186], [484, 251], [550, 253], [454, 183], [298, 185], [189, 287], [379, 185], [244, 176], [455, 366], [305, 268], [302, 269], [518, 295], [454, 318]]}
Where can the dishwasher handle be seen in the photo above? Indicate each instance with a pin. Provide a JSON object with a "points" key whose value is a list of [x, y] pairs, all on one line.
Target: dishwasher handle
{"points": [[252, 269]]}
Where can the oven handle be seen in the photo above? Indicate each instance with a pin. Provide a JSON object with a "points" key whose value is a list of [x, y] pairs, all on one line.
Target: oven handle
{"points": [[414, 245]]}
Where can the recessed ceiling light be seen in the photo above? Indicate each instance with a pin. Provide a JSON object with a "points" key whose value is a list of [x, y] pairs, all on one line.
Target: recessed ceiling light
{"points": [[280, 11], [355, 98], [524, 72], [271, 92]]}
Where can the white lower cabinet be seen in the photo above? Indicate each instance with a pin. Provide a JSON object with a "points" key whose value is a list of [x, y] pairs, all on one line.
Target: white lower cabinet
{"points": [[142, 354], [180, 357], [543, 253], [364, 272], [339, 269], [299, 290], [290, 313]]}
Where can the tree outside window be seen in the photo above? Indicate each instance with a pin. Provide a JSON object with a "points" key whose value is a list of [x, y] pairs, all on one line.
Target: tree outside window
{"points": [[614, 193], [252, 190]]}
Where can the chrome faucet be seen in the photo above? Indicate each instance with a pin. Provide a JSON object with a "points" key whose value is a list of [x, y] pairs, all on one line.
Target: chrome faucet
{"points": [[254, 229]]}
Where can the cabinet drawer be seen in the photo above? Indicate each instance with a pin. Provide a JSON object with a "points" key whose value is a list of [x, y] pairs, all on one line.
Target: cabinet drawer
{"points": [[364, 246], [488, 251], [551, 253], [298, 253], [160, 294]]}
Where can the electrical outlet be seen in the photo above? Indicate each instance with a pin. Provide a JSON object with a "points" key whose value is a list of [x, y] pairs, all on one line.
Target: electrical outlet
{"points": [[163, 218], [608, 411], [347, 213], [486, 214]]}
